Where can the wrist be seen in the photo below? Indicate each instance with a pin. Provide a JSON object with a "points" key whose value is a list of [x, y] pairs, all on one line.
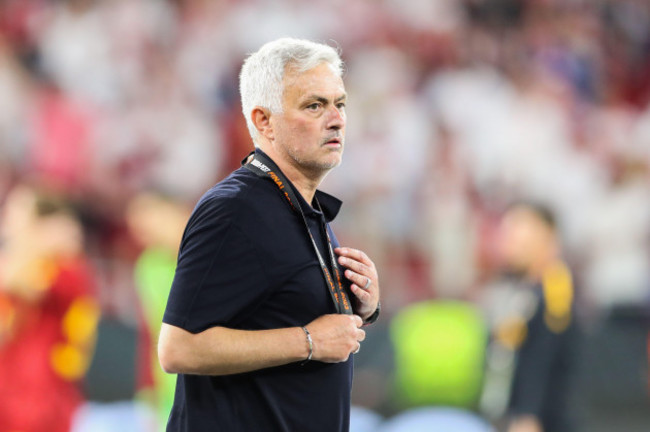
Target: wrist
{"points": [[309, 345], [372, 317]]}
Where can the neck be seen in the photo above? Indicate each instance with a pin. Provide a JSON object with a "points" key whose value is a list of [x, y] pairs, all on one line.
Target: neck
{"points": [[306, 181]]}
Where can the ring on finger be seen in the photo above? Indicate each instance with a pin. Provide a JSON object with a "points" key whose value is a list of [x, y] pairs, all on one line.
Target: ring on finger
{"points": [[368, 282]]}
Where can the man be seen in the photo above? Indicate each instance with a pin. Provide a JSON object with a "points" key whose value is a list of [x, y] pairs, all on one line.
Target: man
{"points": [[50, 314], [251, 324], [534, 321]]}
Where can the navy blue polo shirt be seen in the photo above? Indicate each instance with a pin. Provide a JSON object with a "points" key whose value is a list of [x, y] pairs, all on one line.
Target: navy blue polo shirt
{"points": [[246, 262]]}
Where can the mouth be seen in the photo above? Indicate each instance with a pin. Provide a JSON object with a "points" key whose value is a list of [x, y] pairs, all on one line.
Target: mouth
{"points": [[334, 142]]}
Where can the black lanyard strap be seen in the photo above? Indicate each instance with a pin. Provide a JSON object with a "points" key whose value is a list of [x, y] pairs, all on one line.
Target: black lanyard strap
{"points": [[263, 166]]}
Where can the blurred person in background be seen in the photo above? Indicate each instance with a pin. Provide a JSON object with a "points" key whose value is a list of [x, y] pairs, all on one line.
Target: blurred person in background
{"points": [[261, 322], [157, 223], [533, 323], [49, 313]]}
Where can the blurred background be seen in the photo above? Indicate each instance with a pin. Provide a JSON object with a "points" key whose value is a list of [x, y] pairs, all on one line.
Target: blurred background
{"points": [[115, 117]]}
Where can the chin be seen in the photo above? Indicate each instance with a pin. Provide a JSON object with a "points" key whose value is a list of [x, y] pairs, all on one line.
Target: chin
{"points": [[319, 162], [325, 162], [336, 156], [333, 163], [325, 165]]}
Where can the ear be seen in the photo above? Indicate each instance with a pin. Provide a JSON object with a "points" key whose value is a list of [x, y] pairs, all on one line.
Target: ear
{"points": [[262, 120]]}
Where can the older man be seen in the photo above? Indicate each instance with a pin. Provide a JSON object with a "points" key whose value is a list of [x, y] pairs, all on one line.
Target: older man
{"points": [[265, 309]]}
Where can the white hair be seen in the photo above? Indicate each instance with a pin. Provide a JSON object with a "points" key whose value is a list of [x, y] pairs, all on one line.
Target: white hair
{"points": [[260, 80]]}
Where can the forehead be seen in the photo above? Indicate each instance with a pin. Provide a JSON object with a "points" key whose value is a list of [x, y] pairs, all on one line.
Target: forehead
{"points": [[521, 219], [321, 81]]}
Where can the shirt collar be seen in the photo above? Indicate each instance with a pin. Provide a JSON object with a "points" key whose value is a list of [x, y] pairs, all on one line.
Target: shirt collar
{"points": [[330, 204]]}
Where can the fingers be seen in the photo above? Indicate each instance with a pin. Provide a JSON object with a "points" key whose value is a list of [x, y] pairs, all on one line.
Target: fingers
{"points": [[359, 283], [355, 266], [360, 269], [336, 336], [359, 334], [363, 295], [354, 254], [360, 337], [358, 279]]}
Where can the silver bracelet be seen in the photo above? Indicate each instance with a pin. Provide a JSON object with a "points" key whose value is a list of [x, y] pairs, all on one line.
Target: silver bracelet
{"points": [[311, 345]]}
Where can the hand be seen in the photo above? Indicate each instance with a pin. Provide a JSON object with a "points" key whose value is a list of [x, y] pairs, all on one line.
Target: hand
{"points": [[335, 337], [361, 271]]}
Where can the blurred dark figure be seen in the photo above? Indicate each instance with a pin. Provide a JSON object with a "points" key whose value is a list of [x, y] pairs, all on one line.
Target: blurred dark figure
{"points": [[534, 329], [157, 222], [48, 315]]}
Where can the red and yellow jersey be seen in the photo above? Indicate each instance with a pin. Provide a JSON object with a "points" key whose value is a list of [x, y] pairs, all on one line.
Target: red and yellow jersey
{"points": [[45, 349]]}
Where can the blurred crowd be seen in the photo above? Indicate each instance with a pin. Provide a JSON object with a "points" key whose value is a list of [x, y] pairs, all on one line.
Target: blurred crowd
{"points": [[129, 110]]}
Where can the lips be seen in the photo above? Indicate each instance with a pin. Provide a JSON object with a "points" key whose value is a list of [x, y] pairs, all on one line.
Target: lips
{"points": [[332, 141]]}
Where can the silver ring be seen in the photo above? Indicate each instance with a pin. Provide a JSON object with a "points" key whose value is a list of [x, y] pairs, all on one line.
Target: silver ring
{"points": [[367, 284], [358, 348]]}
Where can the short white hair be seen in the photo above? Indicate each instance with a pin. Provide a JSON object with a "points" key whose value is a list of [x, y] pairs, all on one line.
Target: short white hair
{"points": [[260, 80]]}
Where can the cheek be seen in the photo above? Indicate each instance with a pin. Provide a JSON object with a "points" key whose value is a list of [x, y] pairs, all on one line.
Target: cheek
{"points": [[513, 245], [301, 132], [306, 127]]}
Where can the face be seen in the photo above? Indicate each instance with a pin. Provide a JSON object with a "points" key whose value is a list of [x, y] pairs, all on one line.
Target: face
{"points": [[44, 236], [309, 133], [523, 238], [18, 215]]}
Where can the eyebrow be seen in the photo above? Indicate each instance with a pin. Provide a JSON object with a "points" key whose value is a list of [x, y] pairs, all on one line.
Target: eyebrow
{"points": [[323, 99]]}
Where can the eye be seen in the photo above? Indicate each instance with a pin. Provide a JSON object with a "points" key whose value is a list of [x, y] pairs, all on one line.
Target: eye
{"points": [[314, 107], [340, 105]]}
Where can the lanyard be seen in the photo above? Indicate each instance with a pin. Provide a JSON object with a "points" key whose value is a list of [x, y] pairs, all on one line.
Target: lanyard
{"points": [[263, 166]]}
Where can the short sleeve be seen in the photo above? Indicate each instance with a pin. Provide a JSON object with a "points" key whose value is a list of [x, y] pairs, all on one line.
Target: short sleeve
{"points": [[219, 278]]}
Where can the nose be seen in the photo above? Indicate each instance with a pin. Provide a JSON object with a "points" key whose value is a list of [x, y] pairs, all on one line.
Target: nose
{"points": [[336, 118]]}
